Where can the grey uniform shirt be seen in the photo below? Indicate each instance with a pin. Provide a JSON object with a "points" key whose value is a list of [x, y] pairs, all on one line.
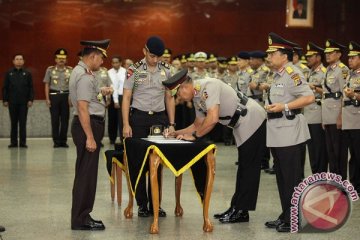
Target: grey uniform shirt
{"points": [[84, 87], [351, 114], [312, 112], [103, 78], [258, 76], [148, 92], [288, 85], [231, 79], [335, 79], [58, 78], [244, 79], [199, 75], [304, 69], [211, 92]]}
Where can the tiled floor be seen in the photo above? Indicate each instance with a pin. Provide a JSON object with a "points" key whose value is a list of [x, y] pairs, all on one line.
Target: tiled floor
{"points": [[35, 201]]}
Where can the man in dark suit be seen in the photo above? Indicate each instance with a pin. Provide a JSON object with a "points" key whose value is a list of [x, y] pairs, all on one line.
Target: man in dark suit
{"points": [[18, 95]]}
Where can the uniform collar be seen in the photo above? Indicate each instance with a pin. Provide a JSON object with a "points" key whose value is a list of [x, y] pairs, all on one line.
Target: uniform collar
{"points": [[281, 70], [318, 68], [18, 69], [334, 65]]}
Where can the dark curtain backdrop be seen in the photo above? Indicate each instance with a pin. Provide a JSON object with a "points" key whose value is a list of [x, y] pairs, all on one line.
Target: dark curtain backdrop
{"points": [[38, 27]]}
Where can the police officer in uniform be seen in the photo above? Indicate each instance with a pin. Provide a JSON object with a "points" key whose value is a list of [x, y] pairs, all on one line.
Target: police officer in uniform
{"points": [[351, 114], [316, 145], [336, 75], [287, 130], [232, 77], [87, 131], [200, 71], [215, 102], [212, 65], [57, 97], [244, 72], [257, 63], [297, 62], [222, 68], [150, 99]]}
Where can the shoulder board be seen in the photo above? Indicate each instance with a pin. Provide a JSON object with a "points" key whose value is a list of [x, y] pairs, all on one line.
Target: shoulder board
{"points": [[250, 70], [303, 66], [289, 70], [165, 65], [265, 68], [51, 67], [103, 69], [323, 69], [137, 64], [341, 65], [68, 67]]}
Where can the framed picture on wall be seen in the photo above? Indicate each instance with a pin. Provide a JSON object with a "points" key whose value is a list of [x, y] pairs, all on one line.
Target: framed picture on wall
{"points": [[300, 13]]}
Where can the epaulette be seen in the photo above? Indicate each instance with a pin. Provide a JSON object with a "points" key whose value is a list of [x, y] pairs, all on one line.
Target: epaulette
{"points": [[250, 70], [68, 67], [323, 69], [137, 64], [165, 65], [51, 67], [265, 68], [289, 70], [303, 66], [341, 65], [103, 69]]}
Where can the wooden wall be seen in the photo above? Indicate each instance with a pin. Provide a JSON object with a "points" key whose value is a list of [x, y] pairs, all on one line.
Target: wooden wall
{"points": [[38, 27]]}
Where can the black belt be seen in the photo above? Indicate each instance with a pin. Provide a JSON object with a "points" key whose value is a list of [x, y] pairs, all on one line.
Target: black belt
{"points": [[318, 101], [94, 117], [335, 95], [54, 92], [288, 114], [239, 112], [133, 110], [354, 103], [259, 97]]}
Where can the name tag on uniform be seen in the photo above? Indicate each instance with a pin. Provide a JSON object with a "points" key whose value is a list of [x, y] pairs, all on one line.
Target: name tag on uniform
{"points": [[279, 85]]}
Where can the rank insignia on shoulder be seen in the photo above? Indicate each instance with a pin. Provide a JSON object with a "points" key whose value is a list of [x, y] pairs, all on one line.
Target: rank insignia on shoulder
{"points": [[303, 66], [297, 80], [197, 87], [289, 70], [137, 64], [249, 70], [265, 68], [323, 69], [165, 65], [99, 97], [341, 65], [345, 73]]}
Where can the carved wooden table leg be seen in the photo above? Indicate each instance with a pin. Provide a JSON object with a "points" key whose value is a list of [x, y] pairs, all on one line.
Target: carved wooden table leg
{"points": [[178, 209], [210, 163], [128, 212], [112, 186], [118, 184], [154, 165]]}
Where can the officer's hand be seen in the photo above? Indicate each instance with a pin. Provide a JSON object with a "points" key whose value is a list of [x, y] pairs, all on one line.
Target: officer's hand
{"points": [[105, 91], [187, 137], [275, 107], [116, 105], [349, 92], [6, 104], [30, 103], [312, 86], [48, 103], [127, 131], [252, 85], [90, 144], [107, 102], [339, 122], [264, 86]]}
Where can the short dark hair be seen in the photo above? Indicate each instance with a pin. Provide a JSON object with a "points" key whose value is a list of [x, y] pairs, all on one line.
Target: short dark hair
{"points": [[116, 57], [289, 53], [18, 54]]}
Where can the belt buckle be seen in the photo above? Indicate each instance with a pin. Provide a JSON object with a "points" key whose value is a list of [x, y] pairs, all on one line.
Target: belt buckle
{"points": [[150, 112]]}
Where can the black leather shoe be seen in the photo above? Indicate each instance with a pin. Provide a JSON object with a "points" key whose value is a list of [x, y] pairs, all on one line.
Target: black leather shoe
{"points": [[22, 145], [239, 216], [56, 145], [143, 212], [226, 213], [162, 212], [273, 224], [13, 146], [284, 227], [97, 221], [64, 145], [270, 171], [2, 229], [90, 225], [264, 167]]}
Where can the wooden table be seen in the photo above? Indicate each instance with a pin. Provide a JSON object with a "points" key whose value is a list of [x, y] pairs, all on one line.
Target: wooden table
{"points": [[142, 155]]}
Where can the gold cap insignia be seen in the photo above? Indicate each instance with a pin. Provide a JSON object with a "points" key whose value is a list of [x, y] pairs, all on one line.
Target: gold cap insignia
{"points": [[350, 46], [270, 41], [62, 52], [327, 44], [308, 47]]}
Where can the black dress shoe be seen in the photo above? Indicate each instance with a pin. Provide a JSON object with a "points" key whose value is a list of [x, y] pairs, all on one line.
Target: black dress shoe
{"points": [[162, 212], [97, 221], [64, 145], [237, 216], [284, 227], [56, 145], [13, 146], [226, 213], [143, 212], [22, 145], [90, 225], [264, 167], [270, 171], [273, 224], [2, 229]]}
